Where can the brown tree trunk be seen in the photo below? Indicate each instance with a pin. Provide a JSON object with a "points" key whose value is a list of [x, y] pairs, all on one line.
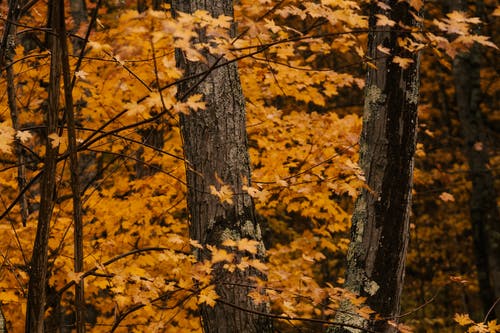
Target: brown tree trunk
{"points": [[380, 223], [38, 269], [7, 53], [215, 146], [485, 218]]}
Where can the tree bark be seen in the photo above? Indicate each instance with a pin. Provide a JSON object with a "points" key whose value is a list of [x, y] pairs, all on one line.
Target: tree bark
{"points": [[215, 146], [38, 269], [74, 170], [485, 217], [380, 223], [7, 53]]}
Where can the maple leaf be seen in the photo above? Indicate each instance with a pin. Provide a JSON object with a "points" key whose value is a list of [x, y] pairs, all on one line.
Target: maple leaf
{"points": [[249, 245], [493, 326], [24, 136], [219, 255], [195, 103], [194, 243], [209, 296], [402, 62], [55, 140], [383, 20], [463, 319], [384, 49], [81, 74], [225, 194], [383, 5], [416, 4], [229, 242], [154, 100], [483, 40], [400, 327]]}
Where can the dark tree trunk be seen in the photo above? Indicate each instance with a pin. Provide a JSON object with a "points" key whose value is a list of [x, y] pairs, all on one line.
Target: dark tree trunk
{"points": [[7, 53], [215, 146], [380, 223], [485, 218], [38, 269]]}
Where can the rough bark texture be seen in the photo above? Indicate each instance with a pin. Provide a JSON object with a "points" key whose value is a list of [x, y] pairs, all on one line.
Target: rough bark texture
{"points": [[380, 224], [38, 269], [7, 53], [485, 218], [215, 145]]}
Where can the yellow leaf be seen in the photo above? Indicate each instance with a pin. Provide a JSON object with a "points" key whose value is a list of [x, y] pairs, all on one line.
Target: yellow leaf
{"points": [[195, 103], [383, 20], [248, 245], [23, 136], [493, 326], [75, 276], [219, 255], [81, 75], [55, 140], [225, 194], [463, 319], [384, 49], [208, 296], [402, 62], [229, 242]]}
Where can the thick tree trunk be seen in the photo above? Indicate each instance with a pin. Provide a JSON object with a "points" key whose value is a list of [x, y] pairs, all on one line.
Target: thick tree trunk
{"points": [[215, 146], [380, 223], [485, 218], [38, 269]]}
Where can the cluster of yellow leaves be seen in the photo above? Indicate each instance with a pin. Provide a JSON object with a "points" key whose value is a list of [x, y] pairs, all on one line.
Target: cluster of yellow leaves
{"points": [[304, 155], [473, 327]]}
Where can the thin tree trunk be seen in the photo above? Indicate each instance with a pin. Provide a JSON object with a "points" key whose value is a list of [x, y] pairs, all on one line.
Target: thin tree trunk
{"points": [[215, 145], [6, 59], [485, 218], [380, 223], [74, 169], [38, 269]]}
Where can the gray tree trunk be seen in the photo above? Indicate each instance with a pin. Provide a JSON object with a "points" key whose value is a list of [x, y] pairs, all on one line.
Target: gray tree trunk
{"points": [[380, 223], [215, 145], [485, 218]]}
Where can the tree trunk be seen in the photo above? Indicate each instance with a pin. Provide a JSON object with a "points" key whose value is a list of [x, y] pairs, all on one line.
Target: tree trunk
{"points": [[485, 218], [7, 53], [38, 269], [380, 223], [215, 146]]}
